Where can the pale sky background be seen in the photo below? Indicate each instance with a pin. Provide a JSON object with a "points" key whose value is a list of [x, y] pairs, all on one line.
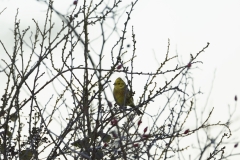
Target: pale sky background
{"points": [[188, 24]]}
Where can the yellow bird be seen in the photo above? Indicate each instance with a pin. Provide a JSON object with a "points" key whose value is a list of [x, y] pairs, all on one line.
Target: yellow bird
{"points": [[122, 96]]}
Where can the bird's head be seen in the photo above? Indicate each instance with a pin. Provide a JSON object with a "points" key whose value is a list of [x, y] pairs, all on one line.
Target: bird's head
{"points": [[119, 82]]}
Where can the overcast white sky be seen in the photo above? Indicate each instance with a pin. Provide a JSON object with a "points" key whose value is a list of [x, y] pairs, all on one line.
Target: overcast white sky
{"points": [[188, 24]]}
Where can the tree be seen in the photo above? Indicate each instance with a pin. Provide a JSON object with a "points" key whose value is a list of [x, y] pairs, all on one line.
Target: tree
{"points": [[77, 118]]}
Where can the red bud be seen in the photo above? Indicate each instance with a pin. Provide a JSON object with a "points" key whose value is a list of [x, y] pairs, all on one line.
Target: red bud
{"points": [[135, 145], [236, 145], [119, 66], [75, 2], [186, 132], [114, 122], [145, 136], [114, 134], [139, 122], [105, 145], [109, 104], [145, 130]]}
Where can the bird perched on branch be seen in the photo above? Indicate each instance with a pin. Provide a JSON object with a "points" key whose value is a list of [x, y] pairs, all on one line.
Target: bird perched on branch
{"points": [[122, 95]]}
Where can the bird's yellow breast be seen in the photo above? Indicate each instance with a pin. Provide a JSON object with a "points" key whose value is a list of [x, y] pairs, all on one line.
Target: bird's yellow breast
{"points": [[119, 95]]}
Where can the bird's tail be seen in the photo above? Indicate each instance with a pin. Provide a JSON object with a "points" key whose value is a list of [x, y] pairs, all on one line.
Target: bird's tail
{"points": [[136, 109]]}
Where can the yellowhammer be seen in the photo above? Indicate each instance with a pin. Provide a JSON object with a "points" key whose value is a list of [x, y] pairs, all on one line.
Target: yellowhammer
{"points": [[122, 96]]}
